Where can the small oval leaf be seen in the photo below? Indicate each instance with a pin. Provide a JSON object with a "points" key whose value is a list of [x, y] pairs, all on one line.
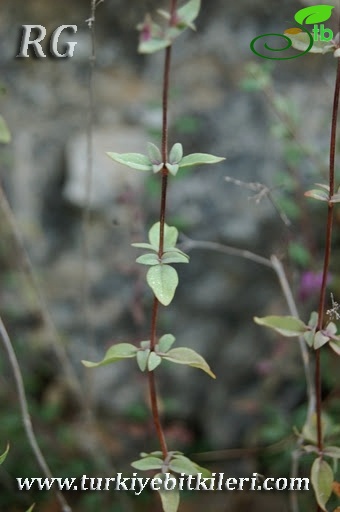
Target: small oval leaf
{"points": [[163, 280], [165, 342], [176, 153], [148, 259], [322, 480], [183, 465], [154, 154], [153, 361], [147, 463], [198, 159], [133, 160], [170, 236], [170, 499], [142, 359], [174, 257], [153, 45], [184, 355], [115, 353], [172, 168], [320, 195], [286, 325]]}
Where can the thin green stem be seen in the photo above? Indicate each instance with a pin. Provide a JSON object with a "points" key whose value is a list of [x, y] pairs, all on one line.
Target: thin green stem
{"points": [[155, 308], [327, 255]]}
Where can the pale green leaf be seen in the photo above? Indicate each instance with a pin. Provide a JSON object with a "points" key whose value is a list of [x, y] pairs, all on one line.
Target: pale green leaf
{"points": [[133, 160], [4, 455], [142, 245], [332, 451], [174, 257], [182, 464], [172, 168], [165, 342], [148, 259], [31, 508], [148, 463], [335, 346], [154, 154], [189, 12], [170, 499], [286, 325], [153, 361], [198, 159], [322, 480], [157, 167], [115, 353], [153, 45], [5, 134], [163, 281], [145, 344], [142, 357], [170, 236], [320, 195], [335, 198], [187, 356], [319, 340], [176, 153], [313, 14]]}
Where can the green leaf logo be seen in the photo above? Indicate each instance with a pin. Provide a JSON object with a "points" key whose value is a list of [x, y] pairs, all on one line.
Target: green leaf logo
{"points": [[314, 14]]}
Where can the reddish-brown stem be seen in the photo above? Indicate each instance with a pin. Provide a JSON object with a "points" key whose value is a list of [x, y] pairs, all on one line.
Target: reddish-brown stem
{"points": [[327, 255], [165, 101]]}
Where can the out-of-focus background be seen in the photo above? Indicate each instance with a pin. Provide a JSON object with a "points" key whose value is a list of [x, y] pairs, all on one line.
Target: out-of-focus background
{"points": [[270, 119]]}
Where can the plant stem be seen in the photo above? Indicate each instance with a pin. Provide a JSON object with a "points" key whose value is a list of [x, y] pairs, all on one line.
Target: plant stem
{"points": [[327, 255], [25, 415], [165, 101]]}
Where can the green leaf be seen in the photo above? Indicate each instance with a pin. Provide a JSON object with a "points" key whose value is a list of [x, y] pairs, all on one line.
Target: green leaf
{"points": [[174, 257], [176, 153], [142, 357], [142, 245], [320, 195], [189, 12], [198, 159], [148, 463], [148, 259], [313, 14], [335, 198], [332, 451], [153, 45], [170, 236], [182, 464], [115, 353], [153, 361], [133, 160], [335, 346], [165, 342], [322, 480], [154, 154], [170, 499], [31, 508], [4, 455], [172, 168], [184, 355], [286, 325], [5, 134], [163, 281], [309, 431], [320, 339]]}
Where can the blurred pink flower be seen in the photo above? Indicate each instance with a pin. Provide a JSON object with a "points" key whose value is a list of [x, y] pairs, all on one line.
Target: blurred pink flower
{"points": [[310, 284]]}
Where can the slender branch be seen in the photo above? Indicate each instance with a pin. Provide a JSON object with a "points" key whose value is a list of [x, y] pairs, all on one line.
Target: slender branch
{"points": [[28, 270], [327, 254], [25, 415], [165, 102]]}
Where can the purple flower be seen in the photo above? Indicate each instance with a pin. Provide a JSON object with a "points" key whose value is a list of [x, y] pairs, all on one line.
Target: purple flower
{"points": [[310, 284]]}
